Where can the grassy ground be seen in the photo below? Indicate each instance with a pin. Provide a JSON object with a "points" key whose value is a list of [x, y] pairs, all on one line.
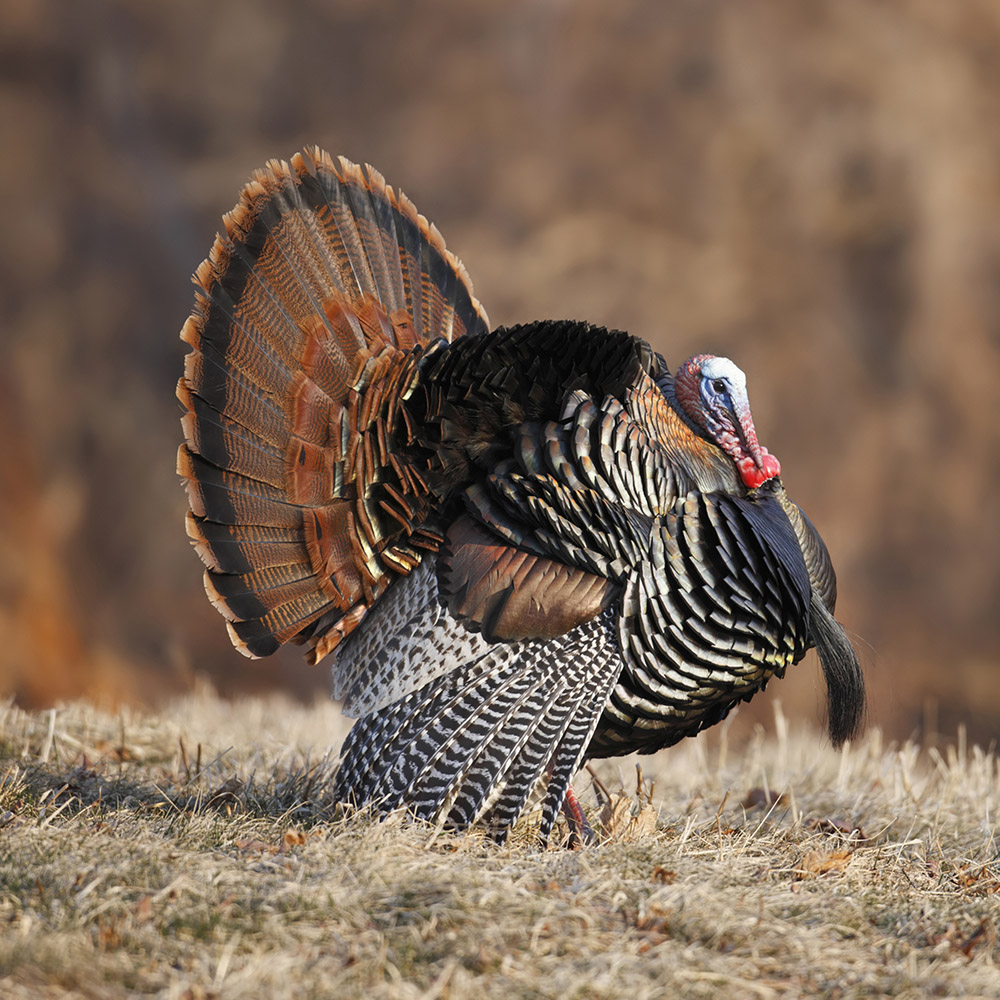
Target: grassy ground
{"points": [[195, 854]]}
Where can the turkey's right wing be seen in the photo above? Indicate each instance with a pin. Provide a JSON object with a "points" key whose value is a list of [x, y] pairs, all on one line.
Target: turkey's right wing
{"points": [[475, 742]]}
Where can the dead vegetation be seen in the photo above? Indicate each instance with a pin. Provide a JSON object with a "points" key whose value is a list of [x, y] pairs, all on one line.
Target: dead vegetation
{"points": [[809, 189], [196, 853]]}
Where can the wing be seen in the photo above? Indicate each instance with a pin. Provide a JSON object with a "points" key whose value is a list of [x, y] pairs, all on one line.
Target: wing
{"points": [[564, 483], [482, 675], [473, 743]]}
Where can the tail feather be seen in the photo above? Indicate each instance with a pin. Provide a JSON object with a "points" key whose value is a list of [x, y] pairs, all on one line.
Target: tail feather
{"points": [[239, 549], [306, 311], [342, 229], [409, 240], [267, 634], [384, 268], [263, 590], [228, 389], [284, 609], [224, 442], [229, 498]]}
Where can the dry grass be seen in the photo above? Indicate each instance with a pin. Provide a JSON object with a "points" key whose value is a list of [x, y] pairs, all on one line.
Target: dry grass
{"points": [[195, 853]]}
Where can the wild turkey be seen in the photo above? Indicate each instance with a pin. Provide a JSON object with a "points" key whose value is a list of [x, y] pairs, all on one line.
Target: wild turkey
{"points": [[528, 546]]}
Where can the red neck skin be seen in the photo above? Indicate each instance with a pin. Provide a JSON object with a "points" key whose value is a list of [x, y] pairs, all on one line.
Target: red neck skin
{"points": [[733, 431]]}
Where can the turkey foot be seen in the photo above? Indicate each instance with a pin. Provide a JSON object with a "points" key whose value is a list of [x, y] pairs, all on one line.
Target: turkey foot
{"points": [[581, 833]]}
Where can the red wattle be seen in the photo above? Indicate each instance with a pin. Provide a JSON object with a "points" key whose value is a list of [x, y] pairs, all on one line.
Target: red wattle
{"points": [[753, 475], [772, 467]]}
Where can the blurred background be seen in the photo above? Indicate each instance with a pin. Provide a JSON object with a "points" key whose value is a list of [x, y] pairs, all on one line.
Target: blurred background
{"points": [[810, 189]]}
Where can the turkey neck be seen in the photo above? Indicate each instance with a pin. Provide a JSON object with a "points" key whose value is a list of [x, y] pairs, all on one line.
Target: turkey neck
{"points": [[708, 468]]}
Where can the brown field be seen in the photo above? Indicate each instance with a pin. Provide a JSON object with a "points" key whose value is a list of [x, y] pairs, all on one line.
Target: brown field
{"points": [[194, 854]]}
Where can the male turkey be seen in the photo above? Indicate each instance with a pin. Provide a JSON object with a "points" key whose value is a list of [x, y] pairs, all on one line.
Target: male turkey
{"points": [[528, 546]]}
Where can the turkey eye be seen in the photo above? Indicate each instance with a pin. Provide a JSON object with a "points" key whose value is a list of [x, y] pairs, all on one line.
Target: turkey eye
{"points": [[718, 385]]}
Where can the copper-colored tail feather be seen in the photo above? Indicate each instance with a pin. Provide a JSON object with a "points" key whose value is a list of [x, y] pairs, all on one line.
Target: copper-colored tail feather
{"points": [[310, 313]]}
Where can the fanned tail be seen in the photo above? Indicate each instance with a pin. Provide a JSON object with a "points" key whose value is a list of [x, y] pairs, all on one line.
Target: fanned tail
{"points": [[311, 313]]}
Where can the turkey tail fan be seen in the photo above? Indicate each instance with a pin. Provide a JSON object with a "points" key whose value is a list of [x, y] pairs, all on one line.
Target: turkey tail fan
{"points": [[845, 682], [310, 315], [476, 742]]}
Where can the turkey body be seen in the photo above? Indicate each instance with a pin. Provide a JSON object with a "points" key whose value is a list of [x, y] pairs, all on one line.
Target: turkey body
{"points": [[524, 546]]}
